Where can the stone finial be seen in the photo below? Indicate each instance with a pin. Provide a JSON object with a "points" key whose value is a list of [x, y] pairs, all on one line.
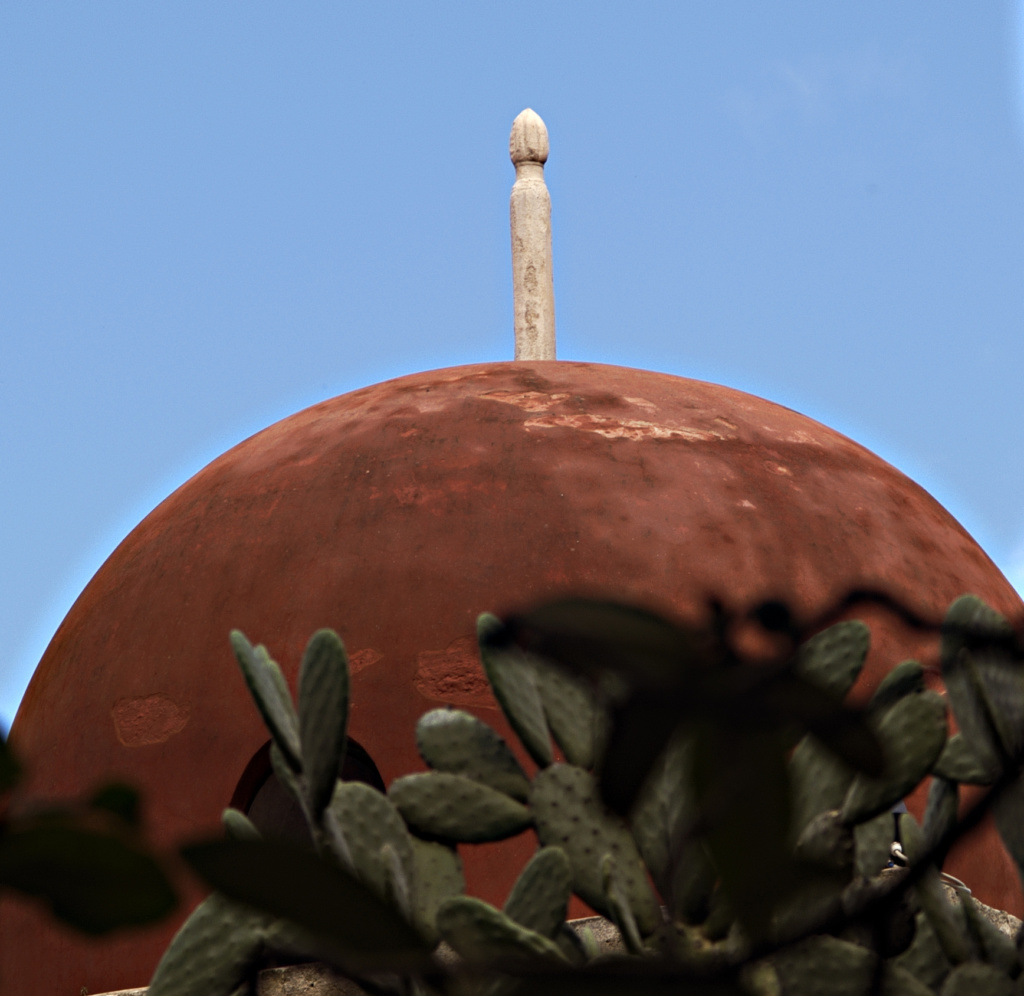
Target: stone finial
{"points": [[533, 290]]}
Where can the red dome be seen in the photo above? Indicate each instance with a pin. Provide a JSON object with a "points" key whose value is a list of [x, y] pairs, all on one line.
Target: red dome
{"points": [[396, 514]]}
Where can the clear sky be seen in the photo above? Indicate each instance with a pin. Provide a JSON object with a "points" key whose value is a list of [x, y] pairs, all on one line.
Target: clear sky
{"points": [[214, 214]]}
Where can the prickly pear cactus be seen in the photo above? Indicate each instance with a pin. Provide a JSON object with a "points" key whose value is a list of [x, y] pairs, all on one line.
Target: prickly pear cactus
{"points": [[846, 921]]}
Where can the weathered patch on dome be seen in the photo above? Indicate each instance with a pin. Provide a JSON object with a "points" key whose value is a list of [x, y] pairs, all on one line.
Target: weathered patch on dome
{"points": [[150, 720], [454, 675], [621, 428], [362, 659], [644, 403], [529, 401]]}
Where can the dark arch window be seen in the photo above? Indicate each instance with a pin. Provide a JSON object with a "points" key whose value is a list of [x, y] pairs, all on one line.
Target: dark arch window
{"points": [[261, 796]]}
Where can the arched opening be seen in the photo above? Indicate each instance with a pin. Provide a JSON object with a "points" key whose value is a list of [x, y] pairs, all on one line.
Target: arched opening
{"points": [[275, 813]]}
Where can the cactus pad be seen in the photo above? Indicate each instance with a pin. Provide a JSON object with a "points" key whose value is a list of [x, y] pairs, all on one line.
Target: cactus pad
{"points": [[833, 658], [513, 679], [569, 814], [913, 732], [540, 897], [662, 810], [663, 814], [818, 781], [482, 934], [238, 826], [825, 966], [438, 877], [941, 809], [985, 689], [369, 821], [323, 715], [215, 951], [454, 807], [573, 715], [1009, 817], [826, 841], [454, 741], [872, 842], [270, 692], [960, 762], [977, 979], [924, 959]]}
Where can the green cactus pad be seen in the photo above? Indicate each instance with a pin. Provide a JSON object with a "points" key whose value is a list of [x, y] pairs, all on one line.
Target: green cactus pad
{"points": [[513, 679], [620, 913], [924, 959], [270, 691], [946, 921], [323, 715], [828, 966], [569, 814], [913, 732], [398, 885], [369, 822], [663, 808], [986, 688], [215, 951], [483, 935], [454, 741], [826, 841], [454, 807], [540, 897], [912, 837], [573, 715], [574, 946], [872, 843], [818, 781], [759, 978], [959, 762], [238, 826], [1009, 817], [438, 877], [663, 814], [904, 679], [969, 618], [941, 809], [977, 979], [897, 981], [825, 966], [991, 944], [834, 657], [287, 776]]}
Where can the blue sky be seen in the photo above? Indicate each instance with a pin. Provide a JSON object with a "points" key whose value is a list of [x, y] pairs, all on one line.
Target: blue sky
{"points": [[214, 214]]}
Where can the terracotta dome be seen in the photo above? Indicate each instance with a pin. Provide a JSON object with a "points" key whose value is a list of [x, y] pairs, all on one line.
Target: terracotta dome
{"points": [[396, 514]]}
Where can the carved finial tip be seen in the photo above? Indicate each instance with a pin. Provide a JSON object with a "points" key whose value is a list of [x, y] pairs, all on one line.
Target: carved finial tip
{"points": [[529, 139]]}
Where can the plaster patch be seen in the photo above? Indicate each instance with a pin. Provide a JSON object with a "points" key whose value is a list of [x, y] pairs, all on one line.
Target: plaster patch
{"points": [[362, 659], [529, 401], [150, 720], [620, 428], [454, 675]]}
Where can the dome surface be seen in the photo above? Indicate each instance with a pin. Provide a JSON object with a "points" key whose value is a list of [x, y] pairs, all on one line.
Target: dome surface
{"points": [[397, 513]]}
